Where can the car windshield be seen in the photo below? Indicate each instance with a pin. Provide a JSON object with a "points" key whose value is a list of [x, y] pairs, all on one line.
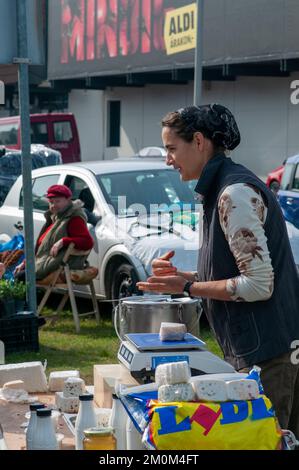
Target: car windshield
{"points": [[154, 190]]}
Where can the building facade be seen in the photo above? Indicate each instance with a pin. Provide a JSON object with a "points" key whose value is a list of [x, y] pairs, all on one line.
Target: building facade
{"points": [[124, 64]]}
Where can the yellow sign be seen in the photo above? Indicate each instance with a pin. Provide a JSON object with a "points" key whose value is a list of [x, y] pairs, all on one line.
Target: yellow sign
{"points": [[180, 29]]}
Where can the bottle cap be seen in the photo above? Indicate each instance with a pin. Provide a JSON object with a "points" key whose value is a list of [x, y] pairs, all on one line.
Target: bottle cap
{"points": [[43, 412], [36, 406], [86, 397], [98, 432]]}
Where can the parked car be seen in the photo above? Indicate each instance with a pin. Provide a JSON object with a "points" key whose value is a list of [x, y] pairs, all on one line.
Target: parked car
{"points": [[288, 197], [274, 178], [56, 130], [128, 232]]}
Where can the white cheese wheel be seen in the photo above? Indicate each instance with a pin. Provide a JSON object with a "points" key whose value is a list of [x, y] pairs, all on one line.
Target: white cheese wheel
{"points": [[73, 387], [243, 389], [172, 373], [56, 379], [172, 331], [177, 392], [66, 404]]}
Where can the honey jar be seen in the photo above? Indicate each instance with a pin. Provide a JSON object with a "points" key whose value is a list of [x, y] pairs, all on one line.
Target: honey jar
{"points": [[99, 439]]}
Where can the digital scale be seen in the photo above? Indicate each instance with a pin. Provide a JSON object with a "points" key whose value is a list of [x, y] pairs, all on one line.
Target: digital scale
{"points": [[141, 353]]}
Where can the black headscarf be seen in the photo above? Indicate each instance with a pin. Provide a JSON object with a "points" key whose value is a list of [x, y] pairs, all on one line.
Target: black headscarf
{"points": [[215, 121]]}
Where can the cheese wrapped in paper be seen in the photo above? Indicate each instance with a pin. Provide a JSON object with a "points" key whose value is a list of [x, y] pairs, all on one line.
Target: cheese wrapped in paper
{"points": [[172, 331]]}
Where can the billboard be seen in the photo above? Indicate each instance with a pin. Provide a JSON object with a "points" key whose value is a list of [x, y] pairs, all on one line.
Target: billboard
{"points": [[35, 31], [103, 37]]}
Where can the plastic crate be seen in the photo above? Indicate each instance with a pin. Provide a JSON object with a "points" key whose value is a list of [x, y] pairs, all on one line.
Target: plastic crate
{"points": [[20, 333]]}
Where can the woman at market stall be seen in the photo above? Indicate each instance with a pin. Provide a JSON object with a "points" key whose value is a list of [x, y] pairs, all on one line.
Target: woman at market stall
{"points": [[246, 275]]}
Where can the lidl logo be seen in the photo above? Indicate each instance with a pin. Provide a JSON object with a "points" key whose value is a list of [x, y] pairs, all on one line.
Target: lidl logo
{"points": [[2, 93], [180, 29]]}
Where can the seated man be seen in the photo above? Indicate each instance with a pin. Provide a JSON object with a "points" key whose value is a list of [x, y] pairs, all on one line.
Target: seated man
{"points": [[65, 224]]}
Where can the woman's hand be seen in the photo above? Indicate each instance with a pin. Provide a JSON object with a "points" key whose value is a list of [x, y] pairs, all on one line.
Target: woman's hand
{"points": [[163, 284], [163, 267], [56, 248]]}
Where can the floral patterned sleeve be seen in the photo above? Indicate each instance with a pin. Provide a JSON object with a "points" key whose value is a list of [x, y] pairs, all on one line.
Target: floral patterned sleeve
{"points": [[242, 214]]}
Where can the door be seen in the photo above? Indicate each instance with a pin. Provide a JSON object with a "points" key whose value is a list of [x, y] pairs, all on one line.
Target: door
{"points": [[64, 137]]}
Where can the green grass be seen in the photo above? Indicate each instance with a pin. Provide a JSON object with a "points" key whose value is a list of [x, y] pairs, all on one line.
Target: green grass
{"points": [[95, 344]]}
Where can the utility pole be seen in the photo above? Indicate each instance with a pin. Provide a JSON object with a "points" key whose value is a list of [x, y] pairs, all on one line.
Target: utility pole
{"points": [[23, 65], [197, 100]]}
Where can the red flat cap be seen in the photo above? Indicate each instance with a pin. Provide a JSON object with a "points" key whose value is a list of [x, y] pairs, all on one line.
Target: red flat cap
{"points": [[59, 190]]}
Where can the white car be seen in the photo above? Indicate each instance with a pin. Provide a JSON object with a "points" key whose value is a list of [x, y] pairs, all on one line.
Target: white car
{"points": [[139, 209]]}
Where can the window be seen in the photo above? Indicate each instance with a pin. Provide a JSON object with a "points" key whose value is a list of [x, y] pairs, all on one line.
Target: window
{"points": [[148, 187], [81, 191], [286, 177], [9, 134], [296, 179], [39, 191], [113, 120], [39, 133], [62, 131]]}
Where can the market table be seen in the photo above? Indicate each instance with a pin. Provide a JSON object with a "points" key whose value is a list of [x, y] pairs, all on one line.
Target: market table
{"points": [[12, 416]]}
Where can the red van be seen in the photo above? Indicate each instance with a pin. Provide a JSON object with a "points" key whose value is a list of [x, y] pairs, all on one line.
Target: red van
{"points": [[56, 130]]}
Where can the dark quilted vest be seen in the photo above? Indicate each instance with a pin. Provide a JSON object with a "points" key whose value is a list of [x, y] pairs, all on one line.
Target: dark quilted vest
{"points": [[248, 332]]}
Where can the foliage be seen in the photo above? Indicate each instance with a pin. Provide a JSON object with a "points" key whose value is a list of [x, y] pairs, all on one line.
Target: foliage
{"points": [[12, 290]]}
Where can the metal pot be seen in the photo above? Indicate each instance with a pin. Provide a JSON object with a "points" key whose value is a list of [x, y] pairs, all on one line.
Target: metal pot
{"points": [[140, 314]]}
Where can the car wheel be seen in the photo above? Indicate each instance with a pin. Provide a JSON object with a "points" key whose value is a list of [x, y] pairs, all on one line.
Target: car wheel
{"points": [[124, 282], [274, 186]]}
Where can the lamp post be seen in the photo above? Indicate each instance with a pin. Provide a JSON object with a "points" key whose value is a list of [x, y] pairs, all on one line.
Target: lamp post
{"points": [[23, 65], [198, 54]]}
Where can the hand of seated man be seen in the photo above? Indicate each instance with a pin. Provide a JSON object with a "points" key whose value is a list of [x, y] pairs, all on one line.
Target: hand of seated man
{"points": [[56, 247]]}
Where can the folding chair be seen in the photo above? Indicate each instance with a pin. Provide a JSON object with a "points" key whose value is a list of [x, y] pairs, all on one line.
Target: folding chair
{"points": [[55, 282]]}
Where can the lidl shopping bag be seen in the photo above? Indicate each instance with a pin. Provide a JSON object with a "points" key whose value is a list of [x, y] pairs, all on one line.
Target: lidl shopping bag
{"points": [[239, 425]]}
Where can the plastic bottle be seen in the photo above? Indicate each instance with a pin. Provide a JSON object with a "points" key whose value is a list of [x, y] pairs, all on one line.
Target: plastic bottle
{"points": [[134, 438], [86, 418], [3, 445], [118, 419], [32, 423], [44, 437]]}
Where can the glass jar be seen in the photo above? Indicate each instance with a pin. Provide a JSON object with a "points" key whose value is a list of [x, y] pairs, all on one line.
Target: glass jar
{"points": [[99, 439]]}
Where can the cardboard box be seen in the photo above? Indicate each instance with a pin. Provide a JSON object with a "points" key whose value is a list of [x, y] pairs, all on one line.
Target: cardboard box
{"points": [[105, 377]]}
